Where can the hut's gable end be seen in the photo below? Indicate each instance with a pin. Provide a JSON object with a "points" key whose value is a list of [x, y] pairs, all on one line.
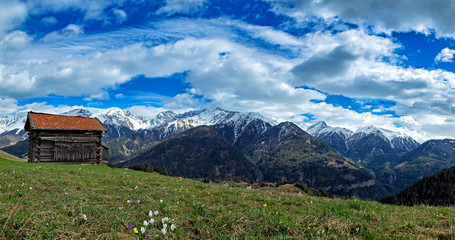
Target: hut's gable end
{"points": [[65, 139], [28, 123]]}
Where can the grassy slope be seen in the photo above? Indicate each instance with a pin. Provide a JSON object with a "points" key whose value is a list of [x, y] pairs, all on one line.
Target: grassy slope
{"points": [[8, 156], [33, 204]]}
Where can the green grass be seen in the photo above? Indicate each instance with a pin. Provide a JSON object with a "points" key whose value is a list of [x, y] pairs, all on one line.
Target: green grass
{"points": [[8, 156], [33, 205]]}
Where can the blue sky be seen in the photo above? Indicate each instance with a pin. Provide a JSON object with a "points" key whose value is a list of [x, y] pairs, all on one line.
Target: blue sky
{"points": [[350, 63]]}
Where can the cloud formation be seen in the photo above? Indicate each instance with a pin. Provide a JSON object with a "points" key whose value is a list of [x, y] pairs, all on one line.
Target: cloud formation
{"points": [[446, 55], [383, 16]]}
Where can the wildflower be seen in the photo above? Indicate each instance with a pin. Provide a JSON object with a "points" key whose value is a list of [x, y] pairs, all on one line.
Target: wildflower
{"points": [[135, 230], [230, 211], [120, 208], [138, 201], [311, 201], [66, 194], [128, 201], [135, 187], [164, 220], [206, 215], [84, 217], [161, 200], [265, 205], [187, 228], [151, 221], [146, 223], [30, 188], [165, 226], [155, 212], [164, 230], [173, 227], [130, 225], [150, 213], [22, 185], [142, 230]]}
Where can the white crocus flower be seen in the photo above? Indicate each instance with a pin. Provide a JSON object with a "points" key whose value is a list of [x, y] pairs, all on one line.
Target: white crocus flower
{"points": [[173, 227], [164, 220], [142, 230], [146, 223], [156, 212], [152, 221], [84, 217], [150, 213], [164, 230]]}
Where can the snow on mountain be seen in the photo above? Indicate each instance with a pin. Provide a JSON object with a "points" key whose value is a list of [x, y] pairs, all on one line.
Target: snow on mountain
{"points": [[120, 118], [365, 131], [13, 122], [397, 140], [215, 116], [161, 118], [321, 128]]}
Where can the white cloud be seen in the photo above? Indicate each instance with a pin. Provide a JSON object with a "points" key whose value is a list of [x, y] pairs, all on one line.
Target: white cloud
{"points": [[181, 6], [44, 107], [120, 15], [12, 14], [69, 32], [49, 21], [14, 41], [446, 55], [383, 16], [8, 106], [92, 9]]}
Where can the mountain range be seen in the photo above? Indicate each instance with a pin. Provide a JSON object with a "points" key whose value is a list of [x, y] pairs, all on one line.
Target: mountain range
{"points": [[369, 162], [396, 159]]}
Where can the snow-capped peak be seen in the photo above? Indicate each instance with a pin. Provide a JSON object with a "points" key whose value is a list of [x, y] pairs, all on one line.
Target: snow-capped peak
{"points": [[321, 128], [365, 131], [316, 128], [13, 122]]}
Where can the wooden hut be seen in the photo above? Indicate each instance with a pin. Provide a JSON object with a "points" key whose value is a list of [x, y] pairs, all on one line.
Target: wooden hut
{"points": [[65, 139]]}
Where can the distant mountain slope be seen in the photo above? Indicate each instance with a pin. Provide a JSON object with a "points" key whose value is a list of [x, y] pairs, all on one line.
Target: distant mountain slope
{"points": [[239, 127], [429, 158], [200, 152], [334, 136], [8, 156], [436, 190], [374, 148], [18, 149], [285, 151]]}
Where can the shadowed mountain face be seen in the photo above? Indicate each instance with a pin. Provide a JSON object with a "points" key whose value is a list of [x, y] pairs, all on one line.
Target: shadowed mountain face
{"points": [[287, 152], [374, 148], [282, 152], [436, 190], [200, 152], [429, 158]]}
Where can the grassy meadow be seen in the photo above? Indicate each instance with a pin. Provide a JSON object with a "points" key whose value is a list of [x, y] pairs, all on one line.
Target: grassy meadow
{"points": [[50, 201]]}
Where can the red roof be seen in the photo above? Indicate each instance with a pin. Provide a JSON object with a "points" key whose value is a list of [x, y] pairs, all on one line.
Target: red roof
{"points": [[58, 122]]}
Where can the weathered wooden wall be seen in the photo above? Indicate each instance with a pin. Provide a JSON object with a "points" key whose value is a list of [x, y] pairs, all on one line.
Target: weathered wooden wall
{"points": [[65, 147]]}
